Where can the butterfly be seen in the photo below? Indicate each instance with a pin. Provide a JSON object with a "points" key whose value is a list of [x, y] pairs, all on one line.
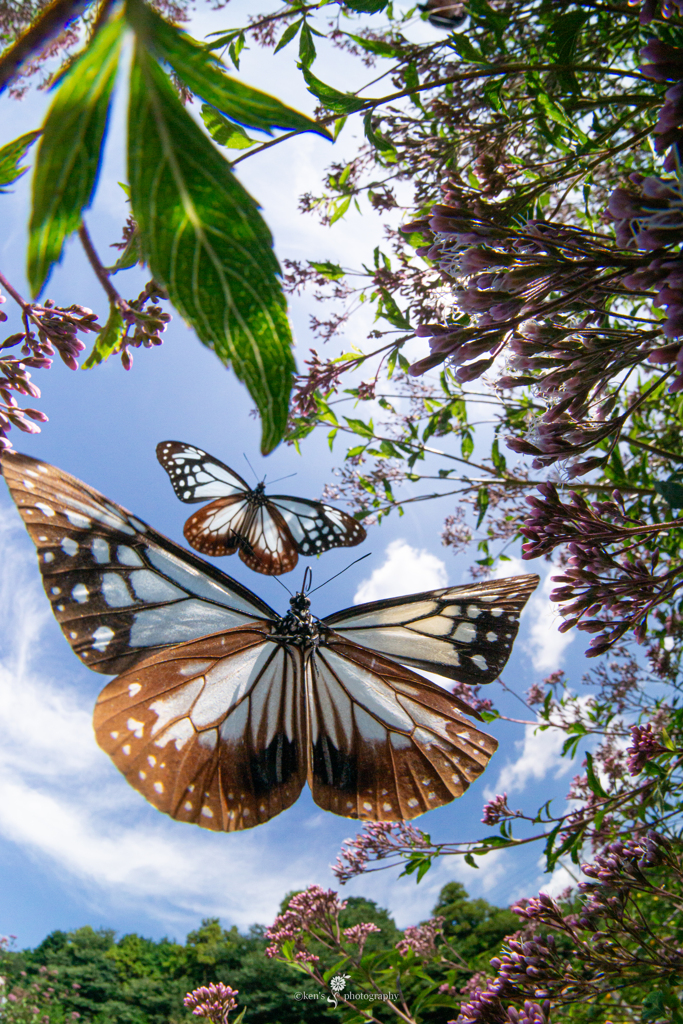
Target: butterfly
{"points": [[223, 709], [269, 533]]}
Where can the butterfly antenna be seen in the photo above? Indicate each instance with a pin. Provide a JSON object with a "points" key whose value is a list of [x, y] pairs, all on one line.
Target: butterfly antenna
{"points": [[289, 477], [278, 580], [339, 573], [308, 579], [251, 467]]}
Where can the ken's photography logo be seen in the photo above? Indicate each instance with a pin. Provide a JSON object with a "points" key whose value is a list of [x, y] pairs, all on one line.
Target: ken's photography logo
{"points": [[338, 984]]}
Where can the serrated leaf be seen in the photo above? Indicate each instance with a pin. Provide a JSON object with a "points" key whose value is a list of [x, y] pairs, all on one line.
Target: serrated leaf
{"points": [[205, 75], [108, 339], [207, 244], [332, 271], [11, 154], [225, 133], [70, 151], [307, 52], [337, 102], [288, 34]]}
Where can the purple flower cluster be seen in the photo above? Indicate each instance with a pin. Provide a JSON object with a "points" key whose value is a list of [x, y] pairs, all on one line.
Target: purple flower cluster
{"points": [[624, 587], [653, 221], [644, 746], [378, 840], [358, 934], [497, 809], [314, 908], [506, 275], [57, 331], [421, 939], [214, 1001]]}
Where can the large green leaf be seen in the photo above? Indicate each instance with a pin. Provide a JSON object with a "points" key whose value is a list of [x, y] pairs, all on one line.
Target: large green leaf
{"points": [[337, 102], [204, 74], [70, 151], [206, 243], [10, 155]]}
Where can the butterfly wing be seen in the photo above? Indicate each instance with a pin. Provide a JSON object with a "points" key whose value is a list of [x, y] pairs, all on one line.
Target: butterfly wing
{"points": [[316, 527], [196, 475], [385, 744], [464, 633], [211, 732], [119, 589], [219, 528]]}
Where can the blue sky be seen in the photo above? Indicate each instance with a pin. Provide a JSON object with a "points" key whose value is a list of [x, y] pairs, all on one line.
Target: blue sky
{"points": [[77, 845]]}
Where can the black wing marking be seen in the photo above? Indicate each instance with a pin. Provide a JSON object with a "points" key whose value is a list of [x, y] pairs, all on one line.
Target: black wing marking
{"points": [[464, 633], [119, 589], [316, 527], [196, 475]]}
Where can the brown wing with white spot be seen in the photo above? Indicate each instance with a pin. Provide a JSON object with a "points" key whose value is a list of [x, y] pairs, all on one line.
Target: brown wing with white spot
{"points": [[119, 589], [463, 633], [268, 546], [219, 528], [385, 744], [212, 732]]}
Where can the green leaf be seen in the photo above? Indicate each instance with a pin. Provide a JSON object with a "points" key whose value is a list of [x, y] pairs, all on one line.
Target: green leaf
{"points": [[366, 6], [225, 133], [11, 154], [360, 427], [205, 75], [70, 150], [497, 458], [388, 309], [108, 339], [593, 780], [207, 245], [379, 141], [131, 255], [482, 504], [338, 208], [465, 50], [466, 445], [554, 112], [332, 271], [288, 34], [337, 102], [306, 46], [671, 490], [235, 49], [378, 46], [469, 859]]}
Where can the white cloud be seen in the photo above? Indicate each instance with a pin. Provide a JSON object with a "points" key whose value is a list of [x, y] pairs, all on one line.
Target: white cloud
{"points": [[405, 570], [543, 641], [540, 758]]}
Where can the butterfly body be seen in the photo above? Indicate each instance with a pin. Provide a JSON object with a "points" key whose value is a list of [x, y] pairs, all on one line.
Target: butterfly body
{"points": [[268, 531], [223, 709]]}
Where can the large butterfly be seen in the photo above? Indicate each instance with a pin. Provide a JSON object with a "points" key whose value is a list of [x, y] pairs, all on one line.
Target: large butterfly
{"points": [[269, 532], [223, 709]]}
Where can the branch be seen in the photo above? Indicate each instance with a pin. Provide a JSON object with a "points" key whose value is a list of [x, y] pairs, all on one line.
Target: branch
{"points": [[53, 20]]}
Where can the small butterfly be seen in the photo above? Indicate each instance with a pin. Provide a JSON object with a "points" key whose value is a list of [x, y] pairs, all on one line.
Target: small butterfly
{"points": [[269, 532], [223, 709]]}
